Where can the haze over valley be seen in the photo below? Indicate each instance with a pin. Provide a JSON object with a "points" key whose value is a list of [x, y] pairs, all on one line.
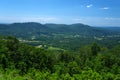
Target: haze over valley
{"points": [[59, 40]]}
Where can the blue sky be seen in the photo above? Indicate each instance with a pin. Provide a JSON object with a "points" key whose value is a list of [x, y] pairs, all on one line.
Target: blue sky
{"points": [[91, 12]]}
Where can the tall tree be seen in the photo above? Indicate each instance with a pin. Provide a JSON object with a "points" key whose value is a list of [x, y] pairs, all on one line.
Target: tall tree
{"points": [[95, 49]]}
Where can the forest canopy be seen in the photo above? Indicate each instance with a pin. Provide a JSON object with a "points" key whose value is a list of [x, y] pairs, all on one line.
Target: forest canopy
{"points": [[19, 61]]}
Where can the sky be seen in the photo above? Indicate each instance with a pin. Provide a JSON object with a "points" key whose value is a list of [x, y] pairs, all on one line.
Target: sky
{"points": [[90, 12]]}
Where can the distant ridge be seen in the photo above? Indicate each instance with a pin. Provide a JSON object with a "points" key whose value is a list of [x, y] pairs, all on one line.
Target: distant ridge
{"points": [[29, 29]]}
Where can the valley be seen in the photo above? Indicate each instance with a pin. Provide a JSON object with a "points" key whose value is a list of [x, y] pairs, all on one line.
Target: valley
{"points": [[61, 35]]}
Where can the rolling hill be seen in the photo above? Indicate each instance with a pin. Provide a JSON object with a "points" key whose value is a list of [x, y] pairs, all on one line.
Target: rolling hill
{"points": [[29, 29]]}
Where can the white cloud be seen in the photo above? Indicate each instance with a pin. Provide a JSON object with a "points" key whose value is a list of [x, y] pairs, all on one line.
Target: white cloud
{"points": [[98, 21], [90, 5], [105, 8], [111, 18], [43, 19], [29, 19], [78, 19], [94, 21]]}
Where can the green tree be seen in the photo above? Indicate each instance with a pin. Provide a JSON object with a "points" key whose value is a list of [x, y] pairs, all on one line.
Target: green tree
{"points": [[73, 68], [95, 49]]}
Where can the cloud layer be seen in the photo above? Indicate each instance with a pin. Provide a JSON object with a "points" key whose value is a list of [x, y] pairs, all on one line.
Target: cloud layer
{"points": [[105, 8], [90, 5]]}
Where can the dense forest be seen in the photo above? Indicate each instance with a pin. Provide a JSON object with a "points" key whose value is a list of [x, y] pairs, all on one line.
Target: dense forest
{"points": [[20, 61], [59, 52]]}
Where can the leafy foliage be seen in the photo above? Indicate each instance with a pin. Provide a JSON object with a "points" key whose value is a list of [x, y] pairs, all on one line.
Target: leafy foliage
{"points": [[19, 61]]}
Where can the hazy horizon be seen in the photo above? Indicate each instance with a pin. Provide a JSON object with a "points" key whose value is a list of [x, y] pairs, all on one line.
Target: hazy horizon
{"points": [[89, 12]]}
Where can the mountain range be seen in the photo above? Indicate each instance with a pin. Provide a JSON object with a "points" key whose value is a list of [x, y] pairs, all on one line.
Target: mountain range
{"points": [[28, 29]]}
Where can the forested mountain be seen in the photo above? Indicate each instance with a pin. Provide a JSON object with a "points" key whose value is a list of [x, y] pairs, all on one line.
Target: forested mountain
{"points": [[27, 30], [61, 35], [115, 29], [23, 29]]}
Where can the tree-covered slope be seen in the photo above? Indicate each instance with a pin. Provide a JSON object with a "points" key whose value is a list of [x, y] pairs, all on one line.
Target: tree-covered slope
{"points": [[24, 29], [27, 30], [19, 61]]}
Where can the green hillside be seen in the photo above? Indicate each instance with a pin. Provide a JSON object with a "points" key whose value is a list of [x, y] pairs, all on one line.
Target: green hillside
{"points": [[61, 35], [19, 61], [27, 30]]}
